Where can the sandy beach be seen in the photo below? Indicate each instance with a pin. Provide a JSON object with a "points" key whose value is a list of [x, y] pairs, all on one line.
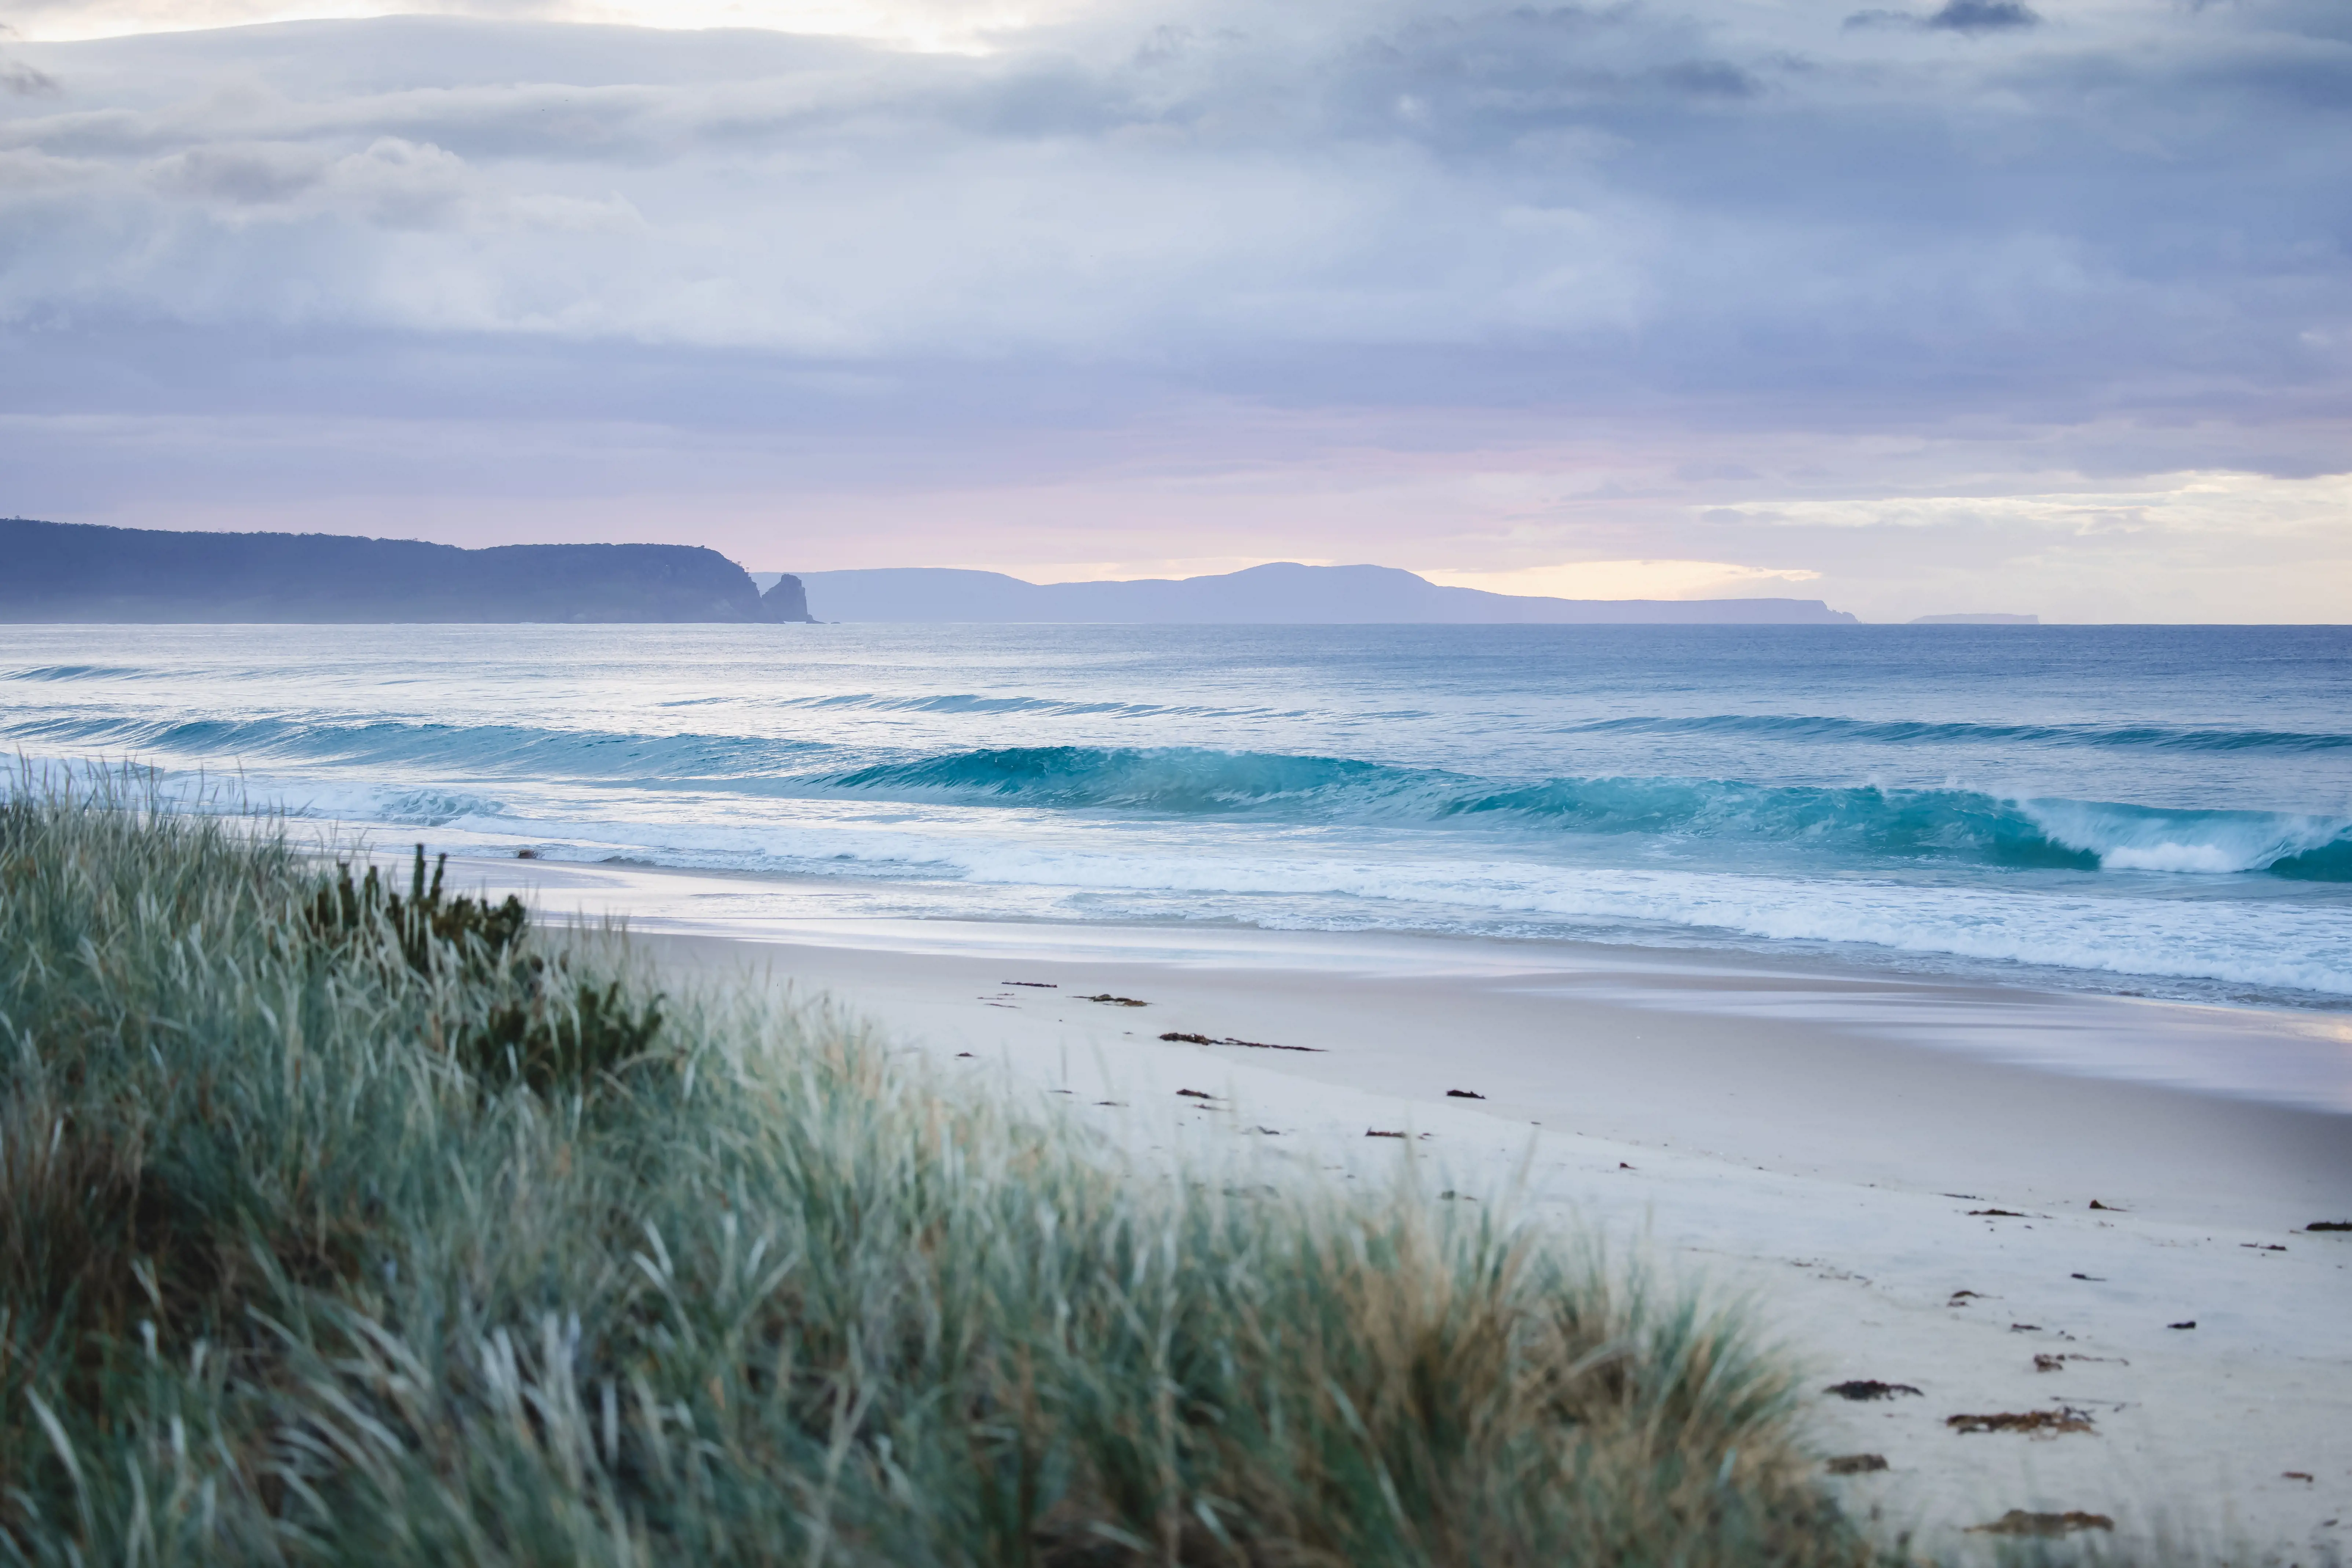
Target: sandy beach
{"points": [[2010, 1202]]}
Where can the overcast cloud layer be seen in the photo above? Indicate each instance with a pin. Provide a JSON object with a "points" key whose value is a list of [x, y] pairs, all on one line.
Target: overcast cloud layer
{"points": [[1974, 305]]}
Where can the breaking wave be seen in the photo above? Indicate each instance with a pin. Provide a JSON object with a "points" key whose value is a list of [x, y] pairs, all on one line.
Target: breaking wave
{"points": [[1866, 822], [1846, 825]]}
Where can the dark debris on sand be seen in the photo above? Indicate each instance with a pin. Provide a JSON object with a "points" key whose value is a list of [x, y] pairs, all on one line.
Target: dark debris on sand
{"points": [[2032, 1423], [1178, 1037], [2017, 1522]]}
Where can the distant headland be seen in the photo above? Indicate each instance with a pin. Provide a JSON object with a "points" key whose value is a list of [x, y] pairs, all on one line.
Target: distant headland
{"points": [[1282, 593], [74, 571]]}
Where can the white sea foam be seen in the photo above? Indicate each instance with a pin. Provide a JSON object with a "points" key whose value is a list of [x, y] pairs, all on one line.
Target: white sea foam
{"points": [[2212, 843]]}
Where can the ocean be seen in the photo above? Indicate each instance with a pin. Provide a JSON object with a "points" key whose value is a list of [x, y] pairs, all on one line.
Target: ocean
{"points": [[2156, 811]]}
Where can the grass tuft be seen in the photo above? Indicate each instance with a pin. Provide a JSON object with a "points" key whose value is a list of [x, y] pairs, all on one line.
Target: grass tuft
{"points": [[344, 1225]]}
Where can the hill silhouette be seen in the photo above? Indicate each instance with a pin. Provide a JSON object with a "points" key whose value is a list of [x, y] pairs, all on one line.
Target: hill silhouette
{"points": [[75, 572], [1280, 593]]}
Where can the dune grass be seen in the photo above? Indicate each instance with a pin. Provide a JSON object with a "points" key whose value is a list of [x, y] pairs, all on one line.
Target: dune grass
{"points": [[345, 1223]]}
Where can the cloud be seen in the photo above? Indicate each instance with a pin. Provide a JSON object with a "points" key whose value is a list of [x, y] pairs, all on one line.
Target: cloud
{"points": [[1969, 16], [1531, 191], [1983, 16], [940, 25], [240, 175], [2192, 502], [1484, 180], [18, 80]]}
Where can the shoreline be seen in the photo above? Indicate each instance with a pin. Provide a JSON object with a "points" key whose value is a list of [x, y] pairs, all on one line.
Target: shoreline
{"points": [[2293, 1056], [1807, 1142]]}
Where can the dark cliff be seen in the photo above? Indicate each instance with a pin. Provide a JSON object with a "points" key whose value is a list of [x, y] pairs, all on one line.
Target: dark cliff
{"points": [[71, 571], [785, 600]]}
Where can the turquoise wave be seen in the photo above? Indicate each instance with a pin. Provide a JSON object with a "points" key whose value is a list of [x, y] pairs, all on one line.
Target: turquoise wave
{"points": [[1866, 822]]}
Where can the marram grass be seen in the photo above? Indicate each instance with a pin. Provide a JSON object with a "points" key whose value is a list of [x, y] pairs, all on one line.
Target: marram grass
{"points": [[346, 1224]]}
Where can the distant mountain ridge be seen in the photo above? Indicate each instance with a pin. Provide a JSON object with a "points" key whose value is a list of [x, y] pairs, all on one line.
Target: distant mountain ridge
{"points": [[1283, 593], [78, 572]]}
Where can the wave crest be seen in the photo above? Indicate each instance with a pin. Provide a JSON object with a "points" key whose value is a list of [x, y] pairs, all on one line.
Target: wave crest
{"points": [[72, 672], [500, 749], [1867, 821]]}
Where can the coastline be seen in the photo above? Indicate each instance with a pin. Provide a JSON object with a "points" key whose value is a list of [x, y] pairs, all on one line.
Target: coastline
{"points": [[1809, 1142]]}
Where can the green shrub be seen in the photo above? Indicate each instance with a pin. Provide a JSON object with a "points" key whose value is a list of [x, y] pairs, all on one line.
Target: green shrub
{"points": [[524, 1030], [343, 1225], [424, 923]]}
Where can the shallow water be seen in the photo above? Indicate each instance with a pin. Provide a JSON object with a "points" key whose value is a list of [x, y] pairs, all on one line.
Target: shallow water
{"points": [[2155, 810]]}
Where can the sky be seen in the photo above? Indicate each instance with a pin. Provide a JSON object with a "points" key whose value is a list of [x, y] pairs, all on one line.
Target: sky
{"points": [[1960, 305]]}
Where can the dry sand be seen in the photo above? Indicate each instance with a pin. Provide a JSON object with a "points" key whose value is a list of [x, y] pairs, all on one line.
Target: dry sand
{"points": [[1822, 1144]]}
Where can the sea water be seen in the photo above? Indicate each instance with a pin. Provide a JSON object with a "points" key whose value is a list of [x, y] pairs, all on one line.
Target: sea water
{"points": [[2165, 811]]}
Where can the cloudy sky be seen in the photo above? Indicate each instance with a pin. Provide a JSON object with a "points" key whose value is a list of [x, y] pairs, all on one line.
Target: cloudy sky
{"points": [[1972, 305]]}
